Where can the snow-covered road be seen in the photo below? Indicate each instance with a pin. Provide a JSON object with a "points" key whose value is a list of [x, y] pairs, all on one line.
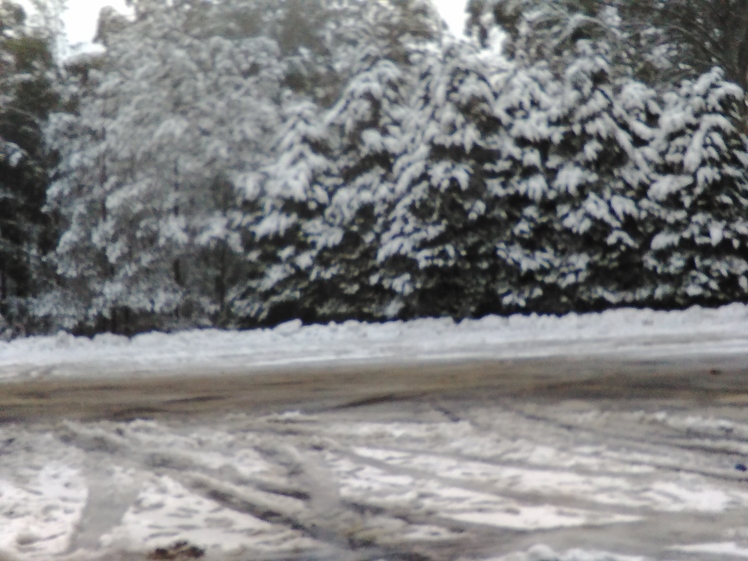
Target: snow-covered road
{"points": [[429, 478], [615, 437]]}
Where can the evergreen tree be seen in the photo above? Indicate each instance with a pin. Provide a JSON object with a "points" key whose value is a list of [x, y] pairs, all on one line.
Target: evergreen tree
{"points": [[171, 122], [603, 167], [320, 204], [699, 200], [145, 182], [366, 124], [707, 33], [279, 201], [27, 95], [220, 169], [660, 41], [439, 249], [549, 31]]}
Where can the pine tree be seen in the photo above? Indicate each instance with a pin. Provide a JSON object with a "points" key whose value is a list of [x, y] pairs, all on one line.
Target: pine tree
{"points": [[280, 200], [439, 250], [698, 202], [603, 167], [27, 95], [660, 41], [319, 206], [145, 181], [521, 190], [366, 124]]}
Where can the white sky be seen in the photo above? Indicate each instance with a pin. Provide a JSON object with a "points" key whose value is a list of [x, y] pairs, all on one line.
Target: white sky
{"points": [[80, 18], [82, 15], [453, 12]]}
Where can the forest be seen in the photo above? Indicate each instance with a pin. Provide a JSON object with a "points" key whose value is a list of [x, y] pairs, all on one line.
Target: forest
{"points": [[242, 163]]}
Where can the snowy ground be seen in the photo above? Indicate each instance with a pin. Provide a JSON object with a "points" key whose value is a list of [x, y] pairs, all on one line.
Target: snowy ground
{"points": [[473, 468], [627, 332]]}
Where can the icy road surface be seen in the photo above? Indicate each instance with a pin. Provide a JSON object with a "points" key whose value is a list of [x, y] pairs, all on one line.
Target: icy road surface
{"points": [[470, 461], [614, 437]]}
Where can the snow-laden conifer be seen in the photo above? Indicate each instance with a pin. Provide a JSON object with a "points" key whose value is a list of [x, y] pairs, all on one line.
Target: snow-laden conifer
{"points": [[699, 199], [144, 185], [279, 201], [529, 105], [366, 124], [439, 250], [602, 168], [318, 206], [28, 92]]}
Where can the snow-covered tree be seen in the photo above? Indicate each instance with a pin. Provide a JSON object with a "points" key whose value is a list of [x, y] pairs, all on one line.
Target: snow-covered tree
{"points": [[549, 31], [319, 206], [366, 123], [328, 43], [530, 106], [172, 121], [226, 165], [144, 185], [519, 189], [439, 249], [27, 94], [280, 199], [603, 166], [699, 251]]}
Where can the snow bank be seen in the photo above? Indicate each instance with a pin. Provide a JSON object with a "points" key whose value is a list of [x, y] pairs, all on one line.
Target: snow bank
{"points": [[696, 330]]}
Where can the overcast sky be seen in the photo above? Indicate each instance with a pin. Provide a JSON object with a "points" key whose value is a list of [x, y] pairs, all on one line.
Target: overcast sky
{"points": [[453, 12], [81, 16]]}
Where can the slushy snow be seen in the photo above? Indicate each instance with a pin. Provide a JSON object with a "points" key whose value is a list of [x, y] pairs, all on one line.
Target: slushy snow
{"points": [[72, 490]]}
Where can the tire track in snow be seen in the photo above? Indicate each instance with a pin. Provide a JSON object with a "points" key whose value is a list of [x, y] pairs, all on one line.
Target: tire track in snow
{"points": [[431, 473]]}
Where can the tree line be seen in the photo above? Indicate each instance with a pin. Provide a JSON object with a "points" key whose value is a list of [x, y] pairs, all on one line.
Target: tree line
{"points": [[245, 162]]}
